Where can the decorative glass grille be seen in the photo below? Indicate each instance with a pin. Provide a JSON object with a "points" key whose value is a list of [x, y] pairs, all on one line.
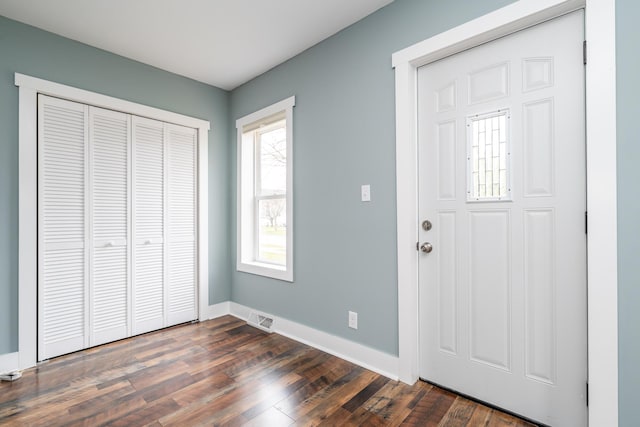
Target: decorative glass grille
{"points": [[488, 157]]}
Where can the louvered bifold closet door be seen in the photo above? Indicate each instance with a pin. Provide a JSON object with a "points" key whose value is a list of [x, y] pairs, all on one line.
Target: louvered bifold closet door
{"points": [[62, 231], [182, 144], [109, 285], [148, 225]]}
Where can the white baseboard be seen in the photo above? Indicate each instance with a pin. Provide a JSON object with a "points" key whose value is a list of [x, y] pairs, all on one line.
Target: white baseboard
{"points": [[240, 311], [374, 360], [9, 362], [216, 310]]}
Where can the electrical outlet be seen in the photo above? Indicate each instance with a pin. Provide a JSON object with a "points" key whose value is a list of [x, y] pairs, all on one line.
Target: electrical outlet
{"points": [[353, 320]]}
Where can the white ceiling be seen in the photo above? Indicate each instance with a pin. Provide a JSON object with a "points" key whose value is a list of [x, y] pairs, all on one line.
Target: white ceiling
{"points": [[220, 42]]}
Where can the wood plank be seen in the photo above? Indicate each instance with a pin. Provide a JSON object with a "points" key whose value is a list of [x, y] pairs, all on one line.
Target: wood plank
{"points": [[395, 401], [356, 401], [117, 408], [289, 404], [459, 414], [430, 409], [500, 419], [272, 418], [337, 395], [225, 406], [362, 417], [480, 416], [146, 415]]}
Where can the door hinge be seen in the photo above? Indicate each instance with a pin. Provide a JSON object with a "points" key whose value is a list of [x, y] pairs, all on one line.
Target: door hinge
{"points": [[417, 246], [586, 222], [584, 52], [587, 394]]}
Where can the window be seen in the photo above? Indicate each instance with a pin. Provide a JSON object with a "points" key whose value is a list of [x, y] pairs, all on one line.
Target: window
{"points": [[265, 203], [488, 157]]}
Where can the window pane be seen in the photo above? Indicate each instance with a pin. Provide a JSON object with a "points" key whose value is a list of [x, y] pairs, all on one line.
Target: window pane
{"points": [[272, 231], [273, 161], [488, 157]]}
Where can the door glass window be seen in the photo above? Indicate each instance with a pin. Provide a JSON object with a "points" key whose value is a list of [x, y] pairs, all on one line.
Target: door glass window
{"points": [[488, 157]]}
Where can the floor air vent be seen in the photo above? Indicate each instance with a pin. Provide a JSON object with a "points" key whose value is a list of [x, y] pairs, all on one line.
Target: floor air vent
{"points": [[261, 321]]}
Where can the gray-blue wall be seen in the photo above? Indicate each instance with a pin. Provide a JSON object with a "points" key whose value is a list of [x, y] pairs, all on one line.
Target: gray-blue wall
{"points": [[27, 50], [344, 136], [628, 144]]}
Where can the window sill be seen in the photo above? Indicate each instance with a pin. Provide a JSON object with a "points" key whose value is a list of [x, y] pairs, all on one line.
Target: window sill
{"points": [[266, 270]]}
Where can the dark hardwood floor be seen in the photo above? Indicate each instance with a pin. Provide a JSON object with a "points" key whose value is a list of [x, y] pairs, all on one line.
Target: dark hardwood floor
{"points": [[224, 372]]}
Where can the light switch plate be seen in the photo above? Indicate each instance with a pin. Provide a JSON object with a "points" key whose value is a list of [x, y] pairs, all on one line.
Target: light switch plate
{"points": [[365, 193]]}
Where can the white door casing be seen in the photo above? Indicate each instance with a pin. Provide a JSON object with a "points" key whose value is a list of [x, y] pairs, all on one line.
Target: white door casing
{"points": [[601, 180], [503, 294]]}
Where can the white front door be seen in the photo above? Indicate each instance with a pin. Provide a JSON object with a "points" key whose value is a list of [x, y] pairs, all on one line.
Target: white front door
{"points": [[502, 205]]}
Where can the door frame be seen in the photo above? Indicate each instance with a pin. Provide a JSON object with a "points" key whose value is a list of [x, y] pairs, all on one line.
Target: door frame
{"points": [[600, 98], [29, 88]]}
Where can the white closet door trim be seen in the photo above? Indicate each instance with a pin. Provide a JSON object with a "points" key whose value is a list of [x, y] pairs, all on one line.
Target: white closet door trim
{"points": [[29, 88], [98, 100]]}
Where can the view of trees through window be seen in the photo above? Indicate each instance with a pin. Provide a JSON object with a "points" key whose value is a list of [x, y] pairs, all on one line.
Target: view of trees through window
{"points": [[271, 187]]}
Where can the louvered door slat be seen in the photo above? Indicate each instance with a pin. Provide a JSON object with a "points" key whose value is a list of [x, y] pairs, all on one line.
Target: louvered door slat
{"points": [[148, 225], [61, 235], [182, 144], [109, 142]]}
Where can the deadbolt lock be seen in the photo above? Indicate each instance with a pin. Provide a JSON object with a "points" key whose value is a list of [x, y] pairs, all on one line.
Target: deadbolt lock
{"points": [[426, 225]]}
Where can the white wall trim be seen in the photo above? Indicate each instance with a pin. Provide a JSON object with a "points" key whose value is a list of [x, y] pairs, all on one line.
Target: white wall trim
{"points": [[203, 220], [99, 100], [374, 360], [27, 227], [217, 310], [265, 112], [9, 362], [602, 240], [29, 88], [601, 180]]}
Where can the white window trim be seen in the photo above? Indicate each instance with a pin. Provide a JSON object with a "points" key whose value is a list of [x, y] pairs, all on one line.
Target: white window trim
{"points": [[601, 180], [29, 88], [246, 213]]}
